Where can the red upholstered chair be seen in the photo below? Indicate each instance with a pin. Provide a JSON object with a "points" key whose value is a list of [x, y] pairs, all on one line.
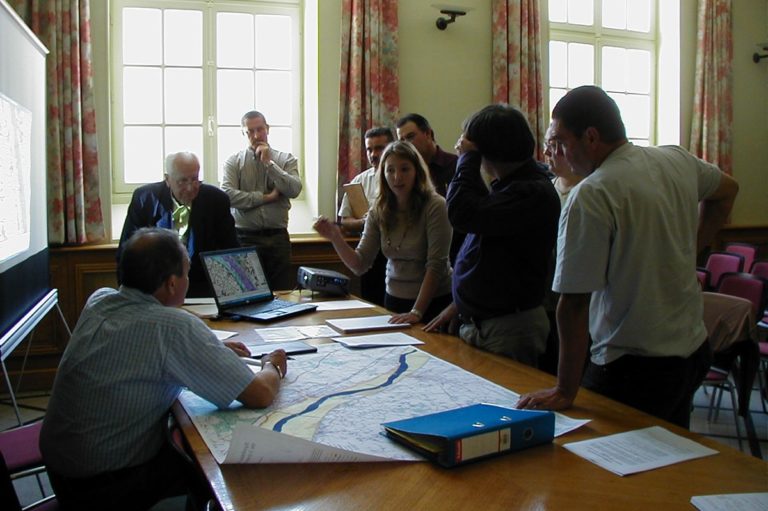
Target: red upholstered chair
{"points": [[747, 286], [748, 251], [722, 262], [703, 275], [20, 457]]}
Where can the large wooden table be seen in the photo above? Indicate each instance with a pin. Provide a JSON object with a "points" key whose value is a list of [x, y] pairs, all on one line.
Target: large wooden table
{"points": [[545, 477]]}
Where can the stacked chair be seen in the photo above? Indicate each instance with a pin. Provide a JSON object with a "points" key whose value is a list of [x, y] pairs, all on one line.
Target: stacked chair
{"points": [[20, 457]]}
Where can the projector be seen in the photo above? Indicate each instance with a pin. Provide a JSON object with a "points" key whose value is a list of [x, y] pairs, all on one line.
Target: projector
{"points": [[323, 281]]}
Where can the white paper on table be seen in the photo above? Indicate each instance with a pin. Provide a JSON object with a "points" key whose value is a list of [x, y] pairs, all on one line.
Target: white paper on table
{"points": [[314, 331], [208, 300], [377, 340], [740, 501], [223, 335], [639, 450], [336, 305], [564, 424], [252, 444], [277, 334]]}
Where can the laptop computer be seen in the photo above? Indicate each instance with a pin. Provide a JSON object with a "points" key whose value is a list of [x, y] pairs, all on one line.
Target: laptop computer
{"points": [[240, 287]]}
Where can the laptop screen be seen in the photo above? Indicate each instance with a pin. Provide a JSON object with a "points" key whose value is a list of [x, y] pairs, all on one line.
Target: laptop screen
{"points": [[236, 276]]}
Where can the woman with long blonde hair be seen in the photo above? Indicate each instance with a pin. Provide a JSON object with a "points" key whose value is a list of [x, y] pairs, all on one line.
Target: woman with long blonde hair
{"points": [[409, 223]]}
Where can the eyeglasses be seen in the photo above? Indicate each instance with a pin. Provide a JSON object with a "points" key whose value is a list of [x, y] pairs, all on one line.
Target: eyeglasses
{"points": [[188, 181], [553, 147]]}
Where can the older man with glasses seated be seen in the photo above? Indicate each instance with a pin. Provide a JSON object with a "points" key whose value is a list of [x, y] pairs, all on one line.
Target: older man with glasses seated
{"points": [[200, 213]]}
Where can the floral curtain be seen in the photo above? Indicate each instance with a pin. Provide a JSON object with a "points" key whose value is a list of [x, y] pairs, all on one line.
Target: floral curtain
{"points": [[516, 61], [74, 207], [712, 102], [369, 92]]}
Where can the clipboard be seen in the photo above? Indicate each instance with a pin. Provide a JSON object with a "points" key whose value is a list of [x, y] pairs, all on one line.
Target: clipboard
{"points": [[357, 199]]}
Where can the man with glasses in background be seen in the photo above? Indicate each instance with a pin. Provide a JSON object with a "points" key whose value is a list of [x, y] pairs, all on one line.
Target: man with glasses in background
{"points": [[260, 181], [200, 213]]}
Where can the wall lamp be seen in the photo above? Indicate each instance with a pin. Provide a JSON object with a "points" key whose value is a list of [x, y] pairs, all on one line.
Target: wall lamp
{"points": [[756, 57], [448, 10]]}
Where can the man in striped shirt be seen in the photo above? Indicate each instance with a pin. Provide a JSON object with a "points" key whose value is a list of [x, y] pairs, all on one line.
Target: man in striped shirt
{"points": [[131, 354]]}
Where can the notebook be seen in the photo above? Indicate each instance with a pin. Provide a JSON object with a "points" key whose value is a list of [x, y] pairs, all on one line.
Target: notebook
{"points": [[240, 287]]}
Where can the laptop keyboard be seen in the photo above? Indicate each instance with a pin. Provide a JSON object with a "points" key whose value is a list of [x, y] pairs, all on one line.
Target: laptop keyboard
{"points": [[265, 307]]}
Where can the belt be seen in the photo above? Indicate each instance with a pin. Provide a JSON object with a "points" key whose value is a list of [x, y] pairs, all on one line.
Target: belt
{"points": [[261, 232], [474, 320]]}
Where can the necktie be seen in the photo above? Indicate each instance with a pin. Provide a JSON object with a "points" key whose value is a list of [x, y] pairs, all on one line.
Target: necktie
{"points": [[181, 219]]}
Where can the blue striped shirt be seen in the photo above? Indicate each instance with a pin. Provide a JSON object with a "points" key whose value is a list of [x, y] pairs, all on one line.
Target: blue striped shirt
{"points": [[127, 361]]}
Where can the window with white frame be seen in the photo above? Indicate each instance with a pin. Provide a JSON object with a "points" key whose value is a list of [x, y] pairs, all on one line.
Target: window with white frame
{"points": [[611, 44], [184, 73]]}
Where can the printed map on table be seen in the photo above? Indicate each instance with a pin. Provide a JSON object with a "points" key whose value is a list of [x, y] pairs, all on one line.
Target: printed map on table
{"points": [[338, 398]]}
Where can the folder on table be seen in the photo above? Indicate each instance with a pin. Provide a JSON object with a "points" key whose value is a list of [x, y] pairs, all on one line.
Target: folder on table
{"points": [[473, 432], [357, 199], [365, 324]]}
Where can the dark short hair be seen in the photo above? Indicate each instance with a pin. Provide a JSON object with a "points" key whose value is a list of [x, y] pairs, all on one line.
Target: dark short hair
{"points": [[420, 121], [252, 114], [501, 133], [151, 255], [589, 106], [380, 132]]}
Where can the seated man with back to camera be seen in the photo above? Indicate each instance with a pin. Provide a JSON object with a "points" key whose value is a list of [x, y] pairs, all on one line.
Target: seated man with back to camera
{"points": [[198, 212], [372, 286], [131, 354], [501, 270], [260, 182]]}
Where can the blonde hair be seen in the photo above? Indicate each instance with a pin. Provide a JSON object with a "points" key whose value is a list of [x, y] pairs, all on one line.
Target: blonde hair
{"points": [[386, 202]]}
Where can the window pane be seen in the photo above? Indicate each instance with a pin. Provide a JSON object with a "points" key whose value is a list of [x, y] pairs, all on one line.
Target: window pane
{"points": [[143, 154], [183, 96], [639, 71], [580, 12], [230, 141], [234, 40], [281, 139], [639, 15], [183, 38], [614, 69], [142, 36], [554, 96], [273, 42], [558, 10], [636, 113], [234, 95], [273, 96], [615, 14], [142, 95], [185, 138], [558, 64], [581, 65]]}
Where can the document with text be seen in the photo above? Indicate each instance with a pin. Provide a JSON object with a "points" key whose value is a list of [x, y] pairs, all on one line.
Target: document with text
{"points": [[639, 450], [740, 501]]}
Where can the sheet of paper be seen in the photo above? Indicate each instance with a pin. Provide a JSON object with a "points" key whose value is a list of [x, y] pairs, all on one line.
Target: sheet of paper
{"points": [[564, 424], [336, 305], [209, 300], [223, 335], [252, 444], [277, 334], [376, 340], [315, 331], [740, 501], [202, 311], [639, 450]]}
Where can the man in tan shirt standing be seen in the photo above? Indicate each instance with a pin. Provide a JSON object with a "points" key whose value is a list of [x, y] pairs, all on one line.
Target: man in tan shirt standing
{"points": [[260, 181]]}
